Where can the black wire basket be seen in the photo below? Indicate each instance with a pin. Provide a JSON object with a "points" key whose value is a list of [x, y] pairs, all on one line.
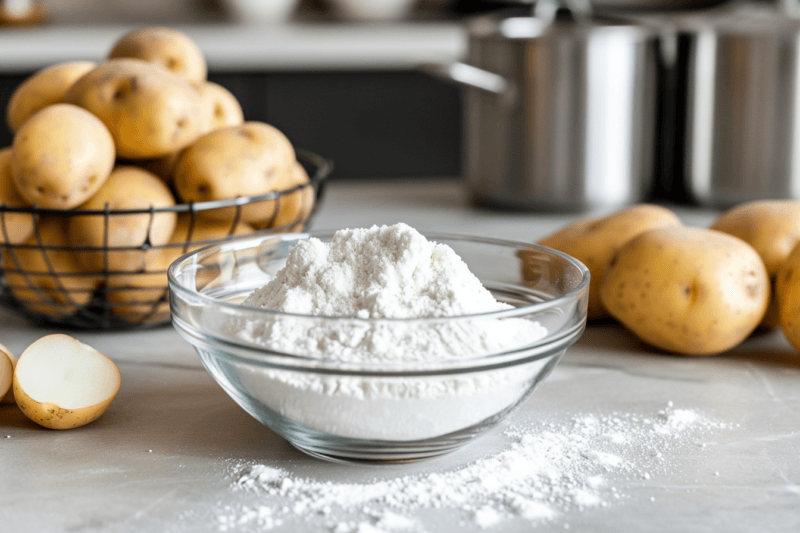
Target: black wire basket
{"points": [[38, 283]]}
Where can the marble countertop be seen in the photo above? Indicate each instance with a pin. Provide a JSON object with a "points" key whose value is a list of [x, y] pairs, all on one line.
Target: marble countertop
{"points": [[165, 455]]}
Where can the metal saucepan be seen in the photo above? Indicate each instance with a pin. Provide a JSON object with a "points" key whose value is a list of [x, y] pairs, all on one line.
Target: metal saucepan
{"points": [[737, 130], [560, 110]]}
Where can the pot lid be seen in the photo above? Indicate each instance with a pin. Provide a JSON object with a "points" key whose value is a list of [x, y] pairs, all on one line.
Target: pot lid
{"points": [[568, 18]]}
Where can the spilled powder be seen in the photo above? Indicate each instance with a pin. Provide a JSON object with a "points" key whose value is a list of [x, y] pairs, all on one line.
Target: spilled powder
{"points": [[546, 471]]}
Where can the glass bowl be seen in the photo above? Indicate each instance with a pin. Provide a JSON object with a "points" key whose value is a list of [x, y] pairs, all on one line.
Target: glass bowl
{"points": [[388, 411]]}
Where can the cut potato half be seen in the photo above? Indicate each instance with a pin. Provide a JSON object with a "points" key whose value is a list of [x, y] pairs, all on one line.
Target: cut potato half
{"points": [[61, 383], [7, 361]]}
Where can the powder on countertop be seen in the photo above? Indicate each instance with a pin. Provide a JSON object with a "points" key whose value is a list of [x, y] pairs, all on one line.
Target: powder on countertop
{"points": [[545, 472]]}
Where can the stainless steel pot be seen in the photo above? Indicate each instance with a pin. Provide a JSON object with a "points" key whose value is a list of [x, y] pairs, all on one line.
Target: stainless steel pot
{"points": [[560, 111], [738, 90]]}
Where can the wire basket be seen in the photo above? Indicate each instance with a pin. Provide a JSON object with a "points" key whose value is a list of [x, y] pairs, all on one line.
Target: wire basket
{"points": [[38, 282]]}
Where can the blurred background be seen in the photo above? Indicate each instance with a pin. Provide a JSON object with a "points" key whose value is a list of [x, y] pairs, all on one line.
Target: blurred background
{"points": [[340, 77]]}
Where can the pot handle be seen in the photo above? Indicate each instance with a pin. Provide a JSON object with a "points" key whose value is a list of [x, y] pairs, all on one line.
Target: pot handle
{"points": [[470, 76]]}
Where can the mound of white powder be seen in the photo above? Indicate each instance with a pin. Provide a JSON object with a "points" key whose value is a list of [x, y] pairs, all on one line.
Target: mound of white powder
{"points": [[388, 272]]}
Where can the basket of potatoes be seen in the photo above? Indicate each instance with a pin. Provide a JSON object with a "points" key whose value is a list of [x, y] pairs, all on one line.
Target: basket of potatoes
{"points": [[118, 168]]}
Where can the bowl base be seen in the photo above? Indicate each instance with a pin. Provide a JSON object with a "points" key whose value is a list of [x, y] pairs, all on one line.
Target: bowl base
{"points": [[374, 457]]}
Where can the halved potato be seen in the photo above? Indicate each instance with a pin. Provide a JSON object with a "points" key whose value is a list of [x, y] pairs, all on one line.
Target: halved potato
{"points": [[61, 383]]}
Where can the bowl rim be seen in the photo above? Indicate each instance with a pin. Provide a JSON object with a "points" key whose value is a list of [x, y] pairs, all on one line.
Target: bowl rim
{"points": [[240, 242]]}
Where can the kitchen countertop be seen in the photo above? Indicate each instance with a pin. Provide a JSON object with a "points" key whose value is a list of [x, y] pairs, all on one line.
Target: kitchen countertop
{"points": [[163, 458]]}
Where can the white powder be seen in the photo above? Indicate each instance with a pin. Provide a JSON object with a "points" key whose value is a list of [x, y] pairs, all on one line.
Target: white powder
{"points": [[545, 472], [388, 272]]}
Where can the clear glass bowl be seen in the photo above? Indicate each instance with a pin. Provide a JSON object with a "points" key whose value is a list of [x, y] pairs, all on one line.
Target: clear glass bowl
{"points": [[387, 411]]}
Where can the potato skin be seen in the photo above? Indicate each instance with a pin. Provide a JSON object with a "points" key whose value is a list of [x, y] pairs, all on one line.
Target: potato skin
{"points": [[787, 292], [149, 111], [687, 290], [220, 108], [293, 208], [167, 47], [772, 227], [595, 241], [51, 282], [128, 187], [245, 160], [18, 226], [46, 87], [61, 156]]}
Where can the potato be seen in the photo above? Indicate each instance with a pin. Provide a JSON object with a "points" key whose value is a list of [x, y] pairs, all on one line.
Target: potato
{"points": [[141, 297], [61, 156], [135, 297], [128, 187], [149, 111], [169, 48], [772, 227], [61, 383], [220, 108], [687, 290], [45, 88], [163, 167], [293, 208], [246, 160], [595, 241], [7, 363], [15, 228], [52, 281], [787, 292]]}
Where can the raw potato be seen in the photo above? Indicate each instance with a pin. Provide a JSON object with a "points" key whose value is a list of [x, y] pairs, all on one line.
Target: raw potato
{"points": [[293, 208], [61, 383], [7, 363], [772, 227], [50, 282], [150, 112], [595, 241], [15, 228], [141, 297], [61, 156], [163, 167], [687, 290], [45, 88], [169, 48], [246, 160], [127, 188], [220, 108], [787, 291]]}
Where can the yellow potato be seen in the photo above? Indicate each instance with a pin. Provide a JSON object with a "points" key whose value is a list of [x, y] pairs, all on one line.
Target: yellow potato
{"points": [[167, 47], [7, 363], [141, 297], [61, 156], [46, 87], [163, 167], [49, 281], [149, 111], [687, 290], [15, 228], [61, 383], [293, 208], [595, 241], [772, 227], [787, 292], [220, 108], [245, 160], [128, 187]]}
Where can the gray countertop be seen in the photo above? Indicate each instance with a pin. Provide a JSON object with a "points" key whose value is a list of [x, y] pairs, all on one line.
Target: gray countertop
{"points": [[166, 455]]}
